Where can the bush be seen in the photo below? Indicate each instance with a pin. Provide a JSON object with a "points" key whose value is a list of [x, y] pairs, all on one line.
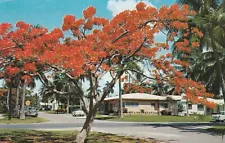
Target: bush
{"points": [[60, 110], [180, 108], [124, 110], [166, 113]]}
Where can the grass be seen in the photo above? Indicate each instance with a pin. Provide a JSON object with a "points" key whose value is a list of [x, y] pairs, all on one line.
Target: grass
{"points": [[154, 118], [220, 129], [30, 136], [18, 121]]}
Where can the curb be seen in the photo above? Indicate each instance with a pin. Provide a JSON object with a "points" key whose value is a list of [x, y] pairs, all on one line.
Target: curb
{"points": [[171, 123]]}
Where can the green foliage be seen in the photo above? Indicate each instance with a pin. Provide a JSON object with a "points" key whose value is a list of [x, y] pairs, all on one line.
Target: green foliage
{"points": [[180, 108], [33, 100], [207, 64]]}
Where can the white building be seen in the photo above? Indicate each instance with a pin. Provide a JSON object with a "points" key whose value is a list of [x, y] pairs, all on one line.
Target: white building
{"points": [[154, 104], [50, 105]]}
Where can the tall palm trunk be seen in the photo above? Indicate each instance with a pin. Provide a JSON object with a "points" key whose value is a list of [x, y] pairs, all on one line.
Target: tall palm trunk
{"points": [[220, 73], [22, 113], [68, 104], [10, 102], [187, 108], [17, 99], [68, 101]]}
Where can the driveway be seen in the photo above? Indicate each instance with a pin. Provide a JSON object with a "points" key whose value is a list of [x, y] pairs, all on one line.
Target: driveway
{"points": [[173, 133]]}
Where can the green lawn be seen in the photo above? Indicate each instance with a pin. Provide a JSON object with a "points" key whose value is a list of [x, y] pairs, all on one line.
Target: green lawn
{"points": [[153, 118], [18, 121], [30, 136]]}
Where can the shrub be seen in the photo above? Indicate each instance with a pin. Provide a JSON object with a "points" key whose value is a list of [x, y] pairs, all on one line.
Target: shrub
{"points": [[166, 113], [180, 108], [59, 110]]}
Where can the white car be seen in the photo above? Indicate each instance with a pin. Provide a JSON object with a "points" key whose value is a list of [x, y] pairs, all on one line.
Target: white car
{"points": [[219, 117], [78, 112]]}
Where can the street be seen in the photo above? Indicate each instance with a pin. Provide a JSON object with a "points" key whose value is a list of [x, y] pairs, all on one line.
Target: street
{"points": [[173, 133]]}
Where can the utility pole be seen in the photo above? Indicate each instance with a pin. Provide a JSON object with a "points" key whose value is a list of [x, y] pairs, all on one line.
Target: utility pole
{"points": [[120, 101]]}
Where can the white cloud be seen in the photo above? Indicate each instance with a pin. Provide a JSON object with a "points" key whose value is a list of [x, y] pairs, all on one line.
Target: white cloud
{"points": [[4, 1], [117, 6]]}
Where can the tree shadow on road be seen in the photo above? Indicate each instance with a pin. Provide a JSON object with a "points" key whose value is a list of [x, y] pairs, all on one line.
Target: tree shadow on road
{"points": [[199, 129]]}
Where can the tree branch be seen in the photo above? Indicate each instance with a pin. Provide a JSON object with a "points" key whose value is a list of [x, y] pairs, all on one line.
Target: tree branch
{"points": [[124, 33], [80, 92]]}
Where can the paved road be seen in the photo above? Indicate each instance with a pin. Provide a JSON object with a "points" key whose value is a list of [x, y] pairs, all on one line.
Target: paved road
{"points": [[174, 133]]}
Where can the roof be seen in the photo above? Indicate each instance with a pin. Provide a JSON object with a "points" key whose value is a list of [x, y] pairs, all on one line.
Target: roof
{"points": [[175, 97], [143, 96], [217, 101]]}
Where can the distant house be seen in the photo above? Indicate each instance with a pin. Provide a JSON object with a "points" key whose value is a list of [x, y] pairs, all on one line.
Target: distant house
{"points": [[201, 109], [154, 104], [50, 105], [141, 103]]}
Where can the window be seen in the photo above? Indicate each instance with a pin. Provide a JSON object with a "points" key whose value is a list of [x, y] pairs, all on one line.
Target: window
{"points": [[164, 105], [190, 106], [131, 103], [200, 107], [153, 106], [222, 113]]}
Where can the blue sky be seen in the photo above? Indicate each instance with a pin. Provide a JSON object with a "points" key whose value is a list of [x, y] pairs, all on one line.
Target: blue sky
{"points": [[49, 13]]}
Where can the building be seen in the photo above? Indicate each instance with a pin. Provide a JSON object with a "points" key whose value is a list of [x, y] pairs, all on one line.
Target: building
{"points": [[141, 103], [201, 109], [153, 104], [50, 105]]}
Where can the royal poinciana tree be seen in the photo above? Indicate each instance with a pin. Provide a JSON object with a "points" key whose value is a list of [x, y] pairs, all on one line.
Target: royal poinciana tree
{"points": [[99, 47]]}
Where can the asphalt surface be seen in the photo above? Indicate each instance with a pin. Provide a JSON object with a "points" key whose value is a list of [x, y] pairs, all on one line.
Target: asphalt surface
{"points": [[168, 132]]}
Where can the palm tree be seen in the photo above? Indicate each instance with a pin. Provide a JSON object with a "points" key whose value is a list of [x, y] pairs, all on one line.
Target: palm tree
{"points": [[208, 62]]}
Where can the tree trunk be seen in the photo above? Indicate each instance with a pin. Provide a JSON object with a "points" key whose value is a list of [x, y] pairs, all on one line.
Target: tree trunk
{"points": [[17, 100], [223, 85], [187, 108], [68, 104], [22, 114], [221, 75], [10, 102], [158, 105], [81, 137]]}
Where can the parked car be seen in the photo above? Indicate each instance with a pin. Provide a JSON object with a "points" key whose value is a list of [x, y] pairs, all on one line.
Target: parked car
{"points": [[31, 111], [219, 117], [78, 112]]}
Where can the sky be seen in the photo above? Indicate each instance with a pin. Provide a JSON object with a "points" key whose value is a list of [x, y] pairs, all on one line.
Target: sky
{"points": [[49, 13]]}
